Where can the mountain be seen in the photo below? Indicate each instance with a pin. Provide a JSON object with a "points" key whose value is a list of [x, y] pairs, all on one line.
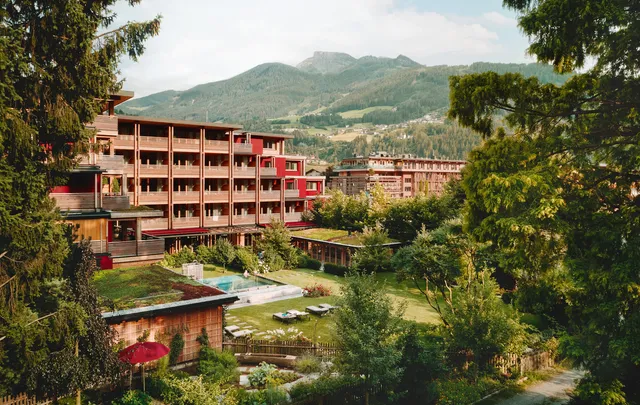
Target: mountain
{"points": [[328, 82]]}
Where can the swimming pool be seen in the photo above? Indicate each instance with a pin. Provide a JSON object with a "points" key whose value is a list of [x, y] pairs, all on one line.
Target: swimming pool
{"points": [[237, 283]]}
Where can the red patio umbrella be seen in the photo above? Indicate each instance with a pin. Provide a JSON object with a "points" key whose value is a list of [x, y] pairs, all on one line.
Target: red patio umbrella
{"points": [[143, 352]]}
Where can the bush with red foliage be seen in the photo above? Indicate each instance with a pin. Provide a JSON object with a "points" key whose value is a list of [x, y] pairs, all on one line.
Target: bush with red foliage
{"points": [[316, 290]]}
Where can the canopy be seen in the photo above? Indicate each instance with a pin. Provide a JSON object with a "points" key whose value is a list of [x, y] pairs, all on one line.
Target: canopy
{"points": [[143, 352]]}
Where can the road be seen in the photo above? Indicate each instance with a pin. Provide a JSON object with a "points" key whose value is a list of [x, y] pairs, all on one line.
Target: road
{"points": [[553, 391]]}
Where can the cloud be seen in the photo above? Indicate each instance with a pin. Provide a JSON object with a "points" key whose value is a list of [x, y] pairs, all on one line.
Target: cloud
{"points": [[494, 17], [207, 40]]}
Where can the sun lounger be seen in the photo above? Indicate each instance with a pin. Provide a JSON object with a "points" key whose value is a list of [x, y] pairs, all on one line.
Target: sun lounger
{"points": [[284, 317], [300, 315], [327, 306], [317, 310]]}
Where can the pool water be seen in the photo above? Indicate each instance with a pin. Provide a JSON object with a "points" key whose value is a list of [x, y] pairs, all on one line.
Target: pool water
{"points": [[237, 283]]}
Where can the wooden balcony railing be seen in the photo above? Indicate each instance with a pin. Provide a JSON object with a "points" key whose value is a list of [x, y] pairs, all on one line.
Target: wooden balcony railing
{"points": [[122, 248], [183, 170], [220, 220], [216, 171], [106, 125], [270, 195], [149, 224], [186, 222], [154, 143], [123, 142], [268, 171], [115, 202], [153, 197], [108, 162], [150, 247], [266, 218], [186, 196], [128, 169], [98, 246], [248, 219], [216, 196], [75, 201], [270, 152], [249, 195], [136, 248], [216, 146], [291, 193], [186, 144], [239, 171], [242, 148], [154, 170], [293, 217]]}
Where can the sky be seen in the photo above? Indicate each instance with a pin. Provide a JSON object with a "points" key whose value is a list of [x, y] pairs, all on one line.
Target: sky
{"points": [[202, 41]]}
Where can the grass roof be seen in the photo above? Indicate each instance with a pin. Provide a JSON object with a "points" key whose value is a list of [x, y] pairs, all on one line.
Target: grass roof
{"points": [[144, 286], [333, 235]]}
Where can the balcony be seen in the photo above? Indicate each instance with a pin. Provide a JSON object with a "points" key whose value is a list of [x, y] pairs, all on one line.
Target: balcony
{"points": [[186, 171], [216, 146], [270, 152], [216, 171], [186, 222], [270, 195], [108, 162], [186, 145], [115, 202], [154, 143], [74, 201], [240, 171], [266, 218], [248, 195], [216, 220], [248, 219], [186, 197], [268, 171], [293, 217], [154, 170], [149, 224], [128, 170], [216, 196], [123, 142], [136, 248], [292, 193], [106, 125], [245, 148], [153, 197]]}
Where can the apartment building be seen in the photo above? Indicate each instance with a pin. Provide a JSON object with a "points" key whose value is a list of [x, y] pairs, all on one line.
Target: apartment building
{"points": [[401, 176], [156, 184]]}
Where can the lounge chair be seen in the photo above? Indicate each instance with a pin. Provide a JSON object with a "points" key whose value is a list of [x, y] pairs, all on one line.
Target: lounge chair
{"points": [[298, 314], [327, 306], [317, 310], [284, 317]]}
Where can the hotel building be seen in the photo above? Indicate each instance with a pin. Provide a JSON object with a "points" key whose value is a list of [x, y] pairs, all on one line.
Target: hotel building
{"points": [[401, 176], [155, 184]]}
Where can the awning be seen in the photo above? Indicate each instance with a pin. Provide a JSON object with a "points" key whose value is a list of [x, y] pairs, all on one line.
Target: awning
{"points": [[172, 233]]}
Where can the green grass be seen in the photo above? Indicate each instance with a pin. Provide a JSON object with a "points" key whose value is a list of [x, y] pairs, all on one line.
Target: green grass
{"points": [[361, 113], [333, 235], [139, 286]]}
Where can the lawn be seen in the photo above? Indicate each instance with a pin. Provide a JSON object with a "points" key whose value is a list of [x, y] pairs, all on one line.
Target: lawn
{"points": [[333, 235], [361, 113]]}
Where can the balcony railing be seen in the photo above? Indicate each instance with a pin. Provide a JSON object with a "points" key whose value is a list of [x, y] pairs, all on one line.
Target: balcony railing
{"points": [[186, 222], [291, 193], [248, 195], [153, 197], [150, 247], [154, 170], [128, 169], [115, 202], [149, 224], [184, 170], [216, 196], [74, 201], [108, 162], [98, 246], [186, 196], [248, 219], [216, 220], [268, 171], [270, 195], [242, 148], [240, 171], [293, 217], [266, 218], [216, 146], [270, 152], [186, 144], [367, 166], [216, 171], [123, 142], [132, 247], [106, 125], [154, 143]]}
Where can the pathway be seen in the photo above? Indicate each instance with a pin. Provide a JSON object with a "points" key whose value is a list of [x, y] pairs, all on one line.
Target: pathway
{"points": [[554, 391]]}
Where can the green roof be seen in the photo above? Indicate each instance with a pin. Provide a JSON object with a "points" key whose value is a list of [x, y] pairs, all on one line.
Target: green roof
{"points": [[333, 235]]}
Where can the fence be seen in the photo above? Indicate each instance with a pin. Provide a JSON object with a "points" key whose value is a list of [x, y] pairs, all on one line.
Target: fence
{"points": [[524, 363], [21, 399], [290, 347]]}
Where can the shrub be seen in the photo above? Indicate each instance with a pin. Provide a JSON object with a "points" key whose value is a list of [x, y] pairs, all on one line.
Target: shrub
{"points": [[205, 254], [176, 346], [313, 264], [308, 365], [270, 396], [133, 398], [290, 334], [189, 391], [259, 375], [322, 386], [273, 260], [215, 366], [177, 259], [316, 290], [247, 260], [223, 253], [335, 269], [455, 392]]}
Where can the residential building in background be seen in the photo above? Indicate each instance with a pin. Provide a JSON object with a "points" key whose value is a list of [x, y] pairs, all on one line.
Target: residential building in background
{"points": [[401, 176], [156, 184]]}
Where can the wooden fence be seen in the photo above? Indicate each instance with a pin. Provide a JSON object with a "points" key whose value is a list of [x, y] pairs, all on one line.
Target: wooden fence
{"points": [[290, 347], [522, 364], [21, 399]]}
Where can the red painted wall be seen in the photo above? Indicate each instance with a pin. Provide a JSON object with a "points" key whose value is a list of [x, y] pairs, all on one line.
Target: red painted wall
{"points": [[79, 183], [281, 164], [302, 187], [257, 145]]}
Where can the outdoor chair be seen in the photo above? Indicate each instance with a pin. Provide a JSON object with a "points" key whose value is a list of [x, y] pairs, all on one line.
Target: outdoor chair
{"points": [[317, 310], [300, 315], [327, 306], [284, 317]]}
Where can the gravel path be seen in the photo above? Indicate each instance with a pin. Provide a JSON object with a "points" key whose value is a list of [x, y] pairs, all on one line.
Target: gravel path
{"points": [[553, 391]]}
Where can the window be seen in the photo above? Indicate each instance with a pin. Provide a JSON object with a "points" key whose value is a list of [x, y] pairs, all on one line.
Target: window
{"points": [[408, 189], [292, 166], [290, 186], [407, 180], [312, 186], [269, 144]]}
